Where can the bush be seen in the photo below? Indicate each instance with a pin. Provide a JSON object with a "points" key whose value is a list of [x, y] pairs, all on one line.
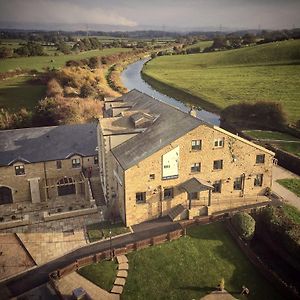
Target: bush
{"points": [[262, 114], [244, 225]]}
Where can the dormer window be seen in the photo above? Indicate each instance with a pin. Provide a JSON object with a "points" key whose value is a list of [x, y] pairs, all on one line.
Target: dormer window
{"points": [[76, 163], [20, 170]]}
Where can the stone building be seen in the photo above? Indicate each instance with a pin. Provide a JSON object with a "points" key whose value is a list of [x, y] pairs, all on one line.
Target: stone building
{"points": [[46, 168], [157, 160]]}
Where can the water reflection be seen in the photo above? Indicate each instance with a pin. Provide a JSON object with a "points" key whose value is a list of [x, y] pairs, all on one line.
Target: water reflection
{"points": [[131, 78]]}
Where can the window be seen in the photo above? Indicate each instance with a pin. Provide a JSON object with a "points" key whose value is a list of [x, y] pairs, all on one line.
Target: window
{"points": [[76, 163], [219, 143], [20, 170], [96, 160], [168, 193], [196, 167], [5, 195], [152, 176], [196, 145], [237, 184], [217, 186], [218, 164], [140, 197], [258, 180], [260, 159], [58, 164], [193, 196]]}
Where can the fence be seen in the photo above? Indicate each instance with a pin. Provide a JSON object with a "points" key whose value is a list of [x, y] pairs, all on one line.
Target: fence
{"points": [[273, 278], [81, 262]]}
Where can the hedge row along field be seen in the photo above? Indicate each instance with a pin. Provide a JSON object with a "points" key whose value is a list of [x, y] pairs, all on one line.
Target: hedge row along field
{"points": [[268, 72]]}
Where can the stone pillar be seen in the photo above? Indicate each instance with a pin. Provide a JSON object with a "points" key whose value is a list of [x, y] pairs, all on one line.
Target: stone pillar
{"points": [[209, 198], [35, 190]]}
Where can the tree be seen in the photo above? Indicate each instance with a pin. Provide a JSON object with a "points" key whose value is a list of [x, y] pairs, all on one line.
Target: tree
{"points": [[244, 225], [248, 39], [63, 47], [219, 42], [5, 52]]}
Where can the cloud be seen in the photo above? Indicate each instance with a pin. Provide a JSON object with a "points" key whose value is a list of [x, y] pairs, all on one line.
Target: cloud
{"points": [[47, 11]]}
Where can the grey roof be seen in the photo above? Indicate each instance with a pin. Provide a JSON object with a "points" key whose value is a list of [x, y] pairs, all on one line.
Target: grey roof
{"points": [[194, 185], [169, 126], [47, 143]]}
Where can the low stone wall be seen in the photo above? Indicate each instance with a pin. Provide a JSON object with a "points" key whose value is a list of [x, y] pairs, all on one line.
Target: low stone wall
{"points": [[56, 275], [15, 223], [69, 214]]}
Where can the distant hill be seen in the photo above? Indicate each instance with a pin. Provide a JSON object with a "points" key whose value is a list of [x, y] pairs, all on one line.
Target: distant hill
{"points": [[275, 52]]}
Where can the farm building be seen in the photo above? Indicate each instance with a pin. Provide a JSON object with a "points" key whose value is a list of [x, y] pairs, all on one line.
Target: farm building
{"points": [[157, 160]]}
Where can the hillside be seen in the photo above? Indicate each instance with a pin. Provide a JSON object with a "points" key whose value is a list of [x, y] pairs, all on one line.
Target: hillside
{"points": [[215, 80]]}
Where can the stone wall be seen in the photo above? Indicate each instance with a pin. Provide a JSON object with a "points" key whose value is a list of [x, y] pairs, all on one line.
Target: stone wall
{"points": [[238, 155]]}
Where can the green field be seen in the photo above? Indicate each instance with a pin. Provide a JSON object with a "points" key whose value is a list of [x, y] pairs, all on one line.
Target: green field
{"points": [[216, 80], [189, 268], [19, 92], [41, 62], [201, 44], [273, 137], [270, 135], [291, 211]]}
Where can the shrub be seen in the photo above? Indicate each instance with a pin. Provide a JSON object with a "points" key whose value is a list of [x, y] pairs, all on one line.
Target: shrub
{"points": [[244, 225], [262, 114], [53, 88]]}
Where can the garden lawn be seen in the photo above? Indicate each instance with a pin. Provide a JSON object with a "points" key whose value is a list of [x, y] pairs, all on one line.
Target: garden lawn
{"points": [[267, 72], [292, 184], [39, 63], [270, 135], [19, 92], [101, 230], [102, 274], [191, 267]]}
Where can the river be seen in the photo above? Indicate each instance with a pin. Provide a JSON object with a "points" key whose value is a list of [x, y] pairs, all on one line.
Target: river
{"points": [[131, 78]]}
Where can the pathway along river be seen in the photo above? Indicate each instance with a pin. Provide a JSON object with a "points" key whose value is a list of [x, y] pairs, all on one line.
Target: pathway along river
{"points": [[132, 79]]}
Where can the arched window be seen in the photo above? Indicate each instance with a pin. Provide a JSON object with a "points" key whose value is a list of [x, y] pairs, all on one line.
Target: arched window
{"points": [[5, 195], [66, 186]]}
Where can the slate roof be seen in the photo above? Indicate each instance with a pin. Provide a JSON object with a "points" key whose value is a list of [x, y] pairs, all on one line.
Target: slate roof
{"points": [[169, 126], [47, 143]]}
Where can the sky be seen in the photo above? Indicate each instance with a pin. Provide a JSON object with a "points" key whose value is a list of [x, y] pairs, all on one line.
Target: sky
{"points": [[163, 14]]}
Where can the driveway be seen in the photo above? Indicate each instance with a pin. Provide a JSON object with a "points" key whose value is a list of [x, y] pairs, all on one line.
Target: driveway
{"points": [[287, 195]]}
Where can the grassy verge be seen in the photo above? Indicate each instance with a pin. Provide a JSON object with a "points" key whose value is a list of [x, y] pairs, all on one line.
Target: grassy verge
{"points": [[102, 274], [292, 212], [39, 63], [191, 267], [101, 230], [271, 135], [265, 72], [19, 92], [292, 184]]}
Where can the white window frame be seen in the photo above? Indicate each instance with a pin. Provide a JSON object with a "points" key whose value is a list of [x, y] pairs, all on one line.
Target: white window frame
{"points": [[219, 143]]}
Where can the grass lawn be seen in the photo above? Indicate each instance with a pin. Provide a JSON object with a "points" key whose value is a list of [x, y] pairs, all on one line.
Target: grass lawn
{"points": [[271, 135], [18, 92], [192, 266], [41, 62], [102, 274], [292, 212], [293, 184], [101, 230], [265, 72], [293, 148]]}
